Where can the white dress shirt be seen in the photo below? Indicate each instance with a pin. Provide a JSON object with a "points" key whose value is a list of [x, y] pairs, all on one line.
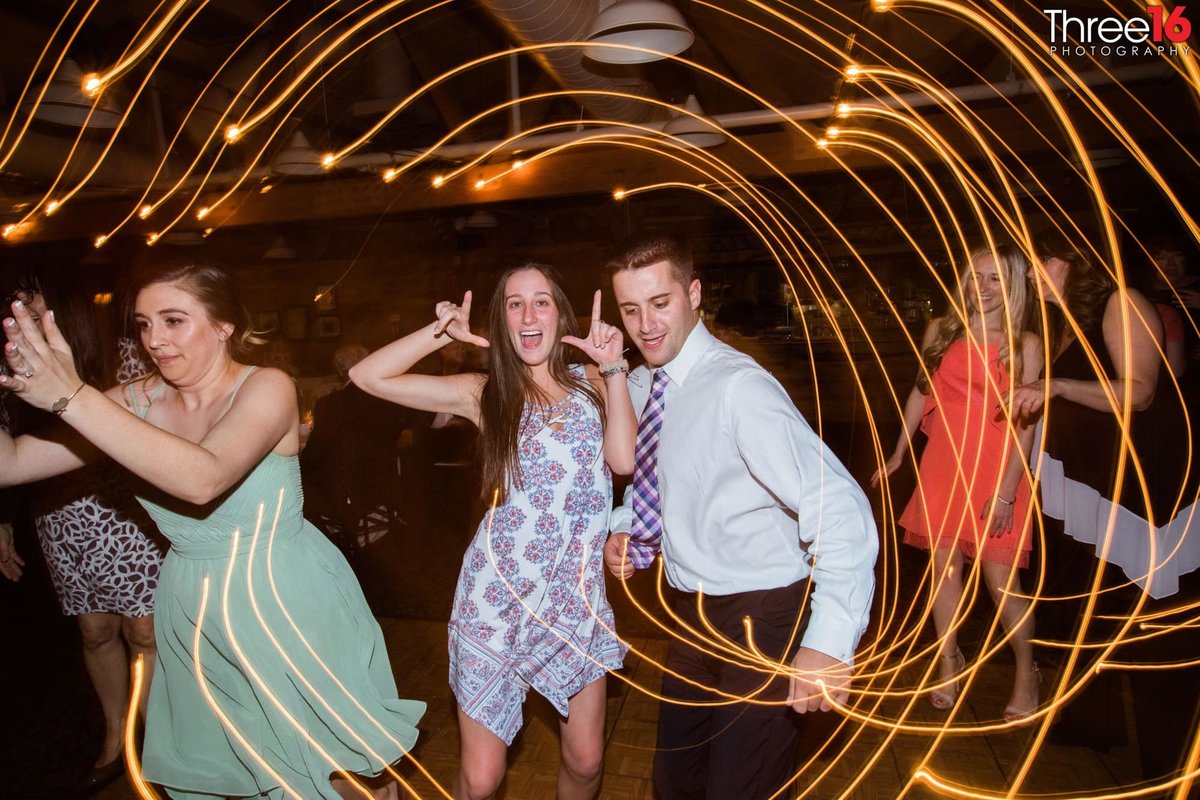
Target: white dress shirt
{"points": [[751, 497]]}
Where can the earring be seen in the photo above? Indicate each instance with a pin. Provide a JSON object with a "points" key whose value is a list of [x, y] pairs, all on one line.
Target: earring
{"points": [[223, 336]]}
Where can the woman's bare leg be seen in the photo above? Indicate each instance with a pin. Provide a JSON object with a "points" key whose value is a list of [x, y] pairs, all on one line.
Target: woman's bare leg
{"points": [[948, 589], [139, 638], [484, 760], [1004, 584], [108, 666], [381, 787], [583, 743]]}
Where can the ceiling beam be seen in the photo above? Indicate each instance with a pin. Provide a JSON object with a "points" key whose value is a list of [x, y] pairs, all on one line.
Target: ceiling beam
{"points": [[587, 169]]}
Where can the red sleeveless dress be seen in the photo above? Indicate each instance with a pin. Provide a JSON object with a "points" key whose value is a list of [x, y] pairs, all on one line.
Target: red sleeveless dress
{"points": [[970, 443]]}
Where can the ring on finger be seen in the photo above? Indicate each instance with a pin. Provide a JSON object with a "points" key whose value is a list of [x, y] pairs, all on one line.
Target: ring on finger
{"points": [[28, 373]]}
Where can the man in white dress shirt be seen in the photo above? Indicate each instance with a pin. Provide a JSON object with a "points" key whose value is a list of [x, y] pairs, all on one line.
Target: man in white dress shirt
{"points": [[748, 505]]}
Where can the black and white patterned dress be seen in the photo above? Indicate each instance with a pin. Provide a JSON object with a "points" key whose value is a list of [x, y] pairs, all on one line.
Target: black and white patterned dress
{"points": [[93, 535]]}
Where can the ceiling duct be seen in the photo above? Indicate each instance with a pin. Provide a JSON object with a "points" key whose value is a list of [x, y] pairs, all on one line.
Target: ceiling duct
{"points": [[569, 21], [389, 77], [44, 157]]}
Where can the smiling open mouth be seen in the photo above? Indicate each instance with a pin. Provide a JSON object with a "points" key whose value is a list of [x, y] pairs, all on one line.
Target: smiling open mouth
{"points": [[530, 340], [653, 341]]}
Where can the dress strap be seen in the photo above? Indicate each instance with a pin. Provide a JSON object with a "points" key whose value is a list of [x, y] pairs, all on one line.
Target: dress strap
{"points": [[139, 410], [238, 388]]}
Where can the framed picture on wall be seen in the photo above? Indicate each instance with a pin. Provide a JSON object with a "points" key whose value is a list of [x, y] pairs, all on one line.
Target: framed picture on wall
{"points": [[329, 327], [268, 322], [326, 301], [295, 323]]}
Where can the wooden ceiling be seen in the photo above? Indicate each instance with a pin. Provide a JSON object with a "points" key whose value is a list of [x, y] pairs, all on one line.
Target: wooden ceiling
{"points": [[747, 58]]}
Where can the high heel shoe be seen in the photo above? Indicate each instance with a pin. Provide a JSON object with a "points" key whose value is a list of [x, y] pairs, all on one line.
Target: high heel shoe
{"points": [[943, 699], [1012, 714], [105, 774]]}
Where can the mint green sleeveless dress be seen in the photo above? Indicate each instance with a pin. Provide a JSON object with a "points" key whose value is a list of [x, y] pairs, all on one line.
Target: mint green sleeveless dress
{"points": [[271, 670]]}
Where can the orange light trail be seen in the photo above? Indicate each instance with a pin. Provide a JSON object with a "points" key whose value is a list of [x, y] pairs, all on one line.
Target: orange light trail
{"points": [[132, 763], [95, 83], [965, 173]]}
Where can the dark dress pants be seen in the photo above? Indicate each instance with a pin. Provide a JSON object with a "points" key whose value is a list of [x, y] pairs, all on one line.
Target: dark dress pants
{"points": [[737, 751]]}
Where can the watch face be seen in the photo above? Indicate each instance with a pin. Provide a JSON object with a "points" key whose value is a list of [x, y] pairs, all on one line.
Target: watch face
{"points": [[60, 405]]}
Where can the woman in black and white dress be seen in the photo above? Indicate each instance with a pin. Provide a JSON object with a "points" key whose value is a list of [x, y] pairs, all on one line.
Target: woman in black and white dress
{"points": [[98, 544], [1126, 495]]}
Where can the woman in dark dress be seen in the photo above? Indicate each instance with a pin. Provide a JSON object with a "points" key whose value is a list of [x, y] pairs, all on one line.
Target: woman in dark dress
{"points": [[1120, 486], [1115, 471]]}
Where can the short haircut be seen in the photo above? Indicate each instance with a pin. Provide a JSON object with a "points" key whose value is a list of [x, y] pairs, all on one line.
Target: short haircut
{"points": [[1165, 243], [645, 249]]}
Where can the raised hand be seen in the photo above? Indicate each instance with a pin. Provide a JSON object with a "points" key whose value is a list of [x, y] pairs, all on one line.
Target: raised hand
{"points": [[455, 322], [604, 343], [40, 358]]}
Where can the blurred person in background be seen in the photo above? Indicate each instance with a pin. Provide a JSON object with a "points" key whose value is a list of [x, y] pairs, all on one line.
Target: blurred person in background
{"points": [[99, 546], [350, 464]]}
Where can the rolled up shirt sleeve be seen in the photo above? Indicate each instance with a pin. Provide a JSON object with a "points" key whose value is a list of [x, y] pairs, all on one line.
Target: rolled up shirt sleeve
{"points": [[621, 519], [833, 516]]}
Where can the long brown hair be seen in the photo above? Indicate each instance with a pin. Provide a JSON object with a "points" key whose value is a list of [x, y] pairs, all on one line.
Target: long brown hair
{"points": [[1084, 290], [75, 316], [1013, 268], [510, 385]]}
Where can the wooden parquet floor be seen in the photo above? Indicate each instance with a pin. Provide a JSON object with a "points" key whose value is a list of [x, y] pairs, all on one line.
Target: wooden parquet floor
{"points": [[841, 759]]}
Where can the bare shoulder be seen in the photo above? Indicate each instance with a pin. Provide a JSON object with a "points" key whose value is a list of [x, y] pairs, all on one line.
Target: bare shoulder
{"points": [[471, 382], [1139, 307], [270, 376], [468, 386], [267, 383]]}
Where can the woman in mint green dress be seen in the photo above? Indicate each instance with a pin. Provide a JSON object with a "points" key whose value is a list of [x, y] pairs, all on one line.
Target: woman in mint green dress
{"points": [[272, 678]]}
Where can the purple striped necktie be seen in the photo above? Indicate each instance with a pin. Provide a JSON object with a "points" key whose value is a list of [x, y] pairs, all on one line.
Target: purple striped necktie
{"points": [[645, 534]]}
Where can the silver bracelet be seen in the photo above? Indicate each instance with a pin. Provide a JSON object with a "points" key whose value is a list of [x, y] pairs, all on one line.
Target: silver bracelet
{"points": [[60, 405], [1006, 502], [610, 368]]}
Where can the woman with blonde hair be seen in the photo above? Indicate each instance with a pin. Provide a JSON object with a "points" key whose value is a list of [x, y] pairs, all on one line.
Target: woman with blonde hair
{"points": [[973, 493]]}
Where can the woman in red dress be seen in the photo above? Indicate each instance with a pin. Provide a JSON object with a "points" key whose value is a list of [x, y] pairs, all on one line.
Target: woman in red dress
{"points": [[973, 492]]}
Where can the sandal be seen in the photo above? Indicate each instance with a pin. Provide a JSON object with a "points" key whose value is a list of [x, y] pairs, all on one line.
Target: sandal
{"points": [[944, 698], [1013, 714]]}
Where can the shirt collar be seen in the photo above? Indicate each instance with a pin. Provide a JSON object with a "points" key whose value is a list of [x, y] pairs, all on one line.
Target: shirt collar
{"points": [[696, 344]]}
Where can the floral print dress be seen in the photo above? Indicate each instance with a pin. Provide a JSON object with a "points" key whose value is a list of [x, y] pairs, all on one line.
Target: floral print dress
{"points": [[530, 608]]}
